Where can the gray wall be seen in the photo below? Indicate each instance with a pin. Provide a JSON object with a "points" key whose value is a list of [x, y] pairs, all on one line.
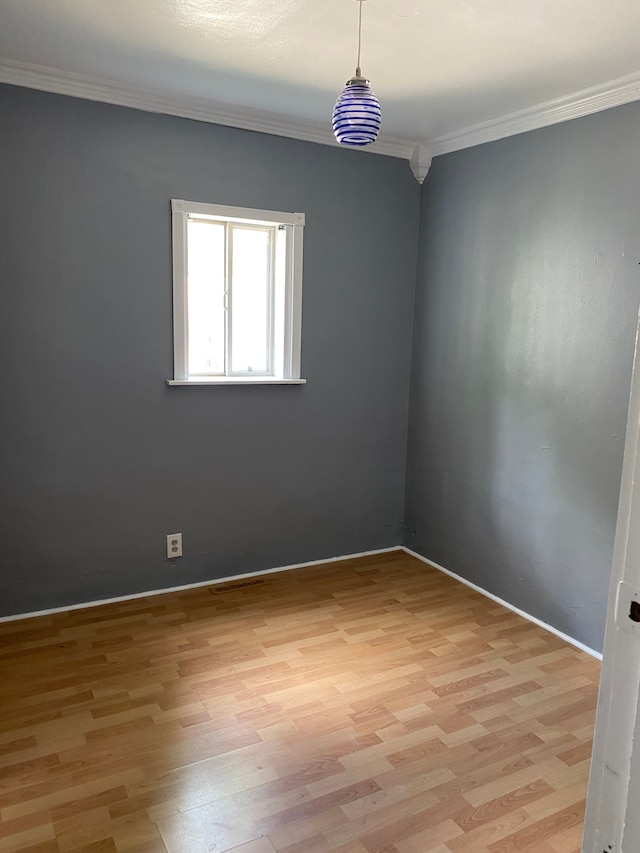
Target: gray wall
{"points": [[99, 459], [525, 318]]}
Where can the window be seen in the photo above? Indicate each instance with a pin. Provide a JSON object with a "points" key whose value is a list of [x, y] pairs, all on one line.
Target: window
{"points": [[237, 294]]}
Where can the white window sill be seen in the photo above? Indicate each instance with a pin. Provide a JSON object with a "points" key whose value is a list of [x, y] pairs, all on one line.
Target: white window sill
{"points": [[237, 380]]}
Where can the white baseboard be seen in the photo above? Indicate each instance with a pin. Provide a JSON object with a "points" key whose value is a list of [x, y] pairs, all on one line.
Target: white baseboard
{"points": [[506, 604], [210, 582]]}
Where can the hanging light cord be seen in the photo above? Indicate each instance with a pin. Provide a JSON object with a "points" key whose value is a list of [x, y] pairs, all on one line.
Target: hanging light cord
{"points": [[358, 71]]}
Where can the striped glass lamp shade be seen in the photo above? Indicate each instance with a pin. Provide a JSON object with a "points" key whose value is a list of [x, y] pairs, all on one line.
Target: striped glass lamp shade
{"points": [[356, 115]]}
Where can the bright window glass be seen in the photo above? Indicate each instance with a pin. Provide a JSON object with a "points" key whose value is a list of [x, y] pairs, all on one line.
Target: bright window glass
{"points": [[237, 294], [206, 302], [251, 302]]}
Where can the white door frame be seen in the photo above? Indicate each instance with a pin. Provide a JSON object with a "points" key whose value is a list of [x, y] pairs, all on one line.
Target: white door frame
{"points": [[616, 758]]}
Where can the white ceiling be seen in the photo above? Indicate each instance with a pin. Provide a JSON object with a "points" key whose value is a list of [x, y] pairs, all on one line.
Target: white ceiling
{"points": [[438, 68]]}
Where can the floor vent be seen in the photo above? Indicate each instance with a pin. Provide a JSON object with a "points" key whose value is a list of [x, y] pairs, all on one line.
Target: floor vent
{"points": [[230, 587]]}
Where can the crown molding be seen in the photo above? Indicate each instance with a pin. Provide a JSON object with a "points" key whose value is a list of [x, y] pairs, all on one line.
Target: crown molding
{"points": [[420, 162], [614, 93], [90, 88]]}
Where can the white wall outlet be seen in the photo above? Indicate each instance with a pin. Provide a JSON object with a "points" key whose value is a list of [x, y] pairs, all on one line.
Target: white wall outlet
{"points": [[174, 545]]}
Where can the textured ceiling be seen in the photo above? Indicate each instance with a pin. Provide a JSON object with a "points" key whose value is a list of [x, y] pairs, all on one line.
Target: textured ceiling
{"points": [[437, 67]]}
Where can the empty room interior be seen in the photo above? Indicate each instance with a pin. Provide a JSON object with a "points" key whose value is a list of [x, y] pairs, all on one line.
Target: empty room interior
{"points": [[322, 565]]}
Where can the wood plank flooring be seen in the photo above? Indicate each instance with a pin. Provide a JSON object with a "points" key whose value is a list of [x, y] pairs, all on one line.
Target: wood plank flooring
{"points": [[367, 706]]}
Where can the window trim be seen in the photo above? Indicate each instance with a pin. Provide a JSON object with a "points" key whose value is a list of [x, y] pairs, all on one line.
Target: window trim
{"points": [[236, 380], [181, 210]]}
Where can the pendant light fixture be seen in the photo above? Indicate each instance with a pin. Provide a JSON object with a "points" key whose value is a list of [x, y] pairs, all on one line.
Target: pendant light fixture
{"points": [[356, 115]]}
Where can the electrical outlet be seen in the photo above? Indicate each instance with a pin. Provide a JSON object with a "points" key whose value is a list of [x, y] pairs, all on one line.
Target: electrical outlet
{"points": [[174, 545]]}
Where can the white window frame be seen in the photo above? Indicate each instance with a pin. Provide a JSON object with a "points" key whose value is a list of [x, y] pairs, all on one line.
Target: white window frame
{"points": [[293, 223]]}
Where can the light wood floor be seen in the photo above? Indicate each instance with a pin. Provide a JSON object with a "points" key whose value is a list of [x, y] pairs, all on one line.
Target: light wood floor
{"points": [[365, 706]]}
